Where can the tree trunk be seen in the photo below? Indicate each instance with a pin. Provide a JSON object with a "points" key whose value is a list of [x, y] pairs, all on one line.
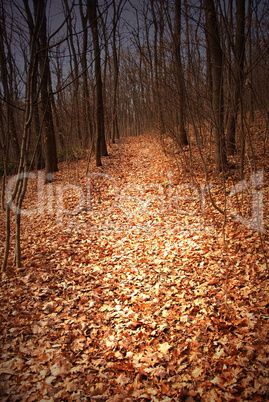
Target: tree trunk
{"points": [[36, 120], [157, 47], [239, 54], [51, 161], [75, 74], [101, 149], [5, 69], [88, 139], [249, 61], [215, 51], [19, 189], [180, 76], [115, 128]]}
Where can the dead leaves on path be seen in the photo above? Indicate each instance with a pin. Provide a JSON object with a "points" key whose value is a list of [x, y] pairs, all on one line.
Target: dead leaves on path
{"points": [[132, 300]]}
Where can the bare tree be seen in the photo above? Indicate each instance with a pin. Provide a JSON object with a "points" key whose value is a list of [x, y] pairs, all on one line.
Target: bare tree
{"points": [[101, 149], [74, 67], [7, 69], [116, 17], [216, 66], [156, 9], [85, 86], [51, 160], [238, 74], [183, 139], [16, 195]]}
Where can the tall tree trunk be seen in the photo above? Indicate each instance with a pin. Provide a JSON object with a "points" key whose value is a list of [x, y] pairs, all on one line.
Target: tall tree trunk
{"points": [[51, 161], [249, 60], [239, 54], [36, 117], [6, 71], [85, 87], [101, 149], [215, 51], [115, 127], [75, 72], [157, 46], [180, 75], [18, 191]]}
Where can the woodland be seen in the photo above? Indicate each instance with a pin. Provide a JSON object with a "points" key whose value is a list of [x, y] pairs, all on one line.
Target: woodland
{"points": [[134, 200]]}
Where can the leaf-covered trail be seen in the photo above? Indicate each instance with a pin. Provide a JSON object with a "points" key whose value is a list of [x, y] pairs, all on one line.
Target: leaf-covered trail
{"points": [[131, 297]]}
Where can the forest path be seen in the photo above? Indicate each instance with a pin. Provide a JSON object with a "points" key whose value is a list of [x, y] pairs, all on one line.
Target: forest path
{"points": [[125, 299]]}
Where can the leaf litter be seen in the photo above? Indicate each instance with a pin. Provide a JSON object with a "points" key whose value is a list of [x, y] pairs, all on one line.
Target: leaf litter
{"points": [[133, 296]]}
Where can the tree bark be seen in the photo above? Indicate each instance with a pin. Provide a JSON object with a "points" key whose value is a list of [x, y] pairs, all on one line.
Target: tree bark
{"points": [[180, 76], [51, 160], [19, 189], [115, 127], [216, 58], [249, 61], [85, 87], [6, 79], [75, 73], [101, 149], [157, 54], [239, 54]]}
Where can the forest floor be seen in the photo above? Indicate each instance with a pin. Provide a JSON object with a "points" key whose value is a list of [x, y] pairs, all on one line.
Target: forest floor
{"points": [[128, 292]]}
